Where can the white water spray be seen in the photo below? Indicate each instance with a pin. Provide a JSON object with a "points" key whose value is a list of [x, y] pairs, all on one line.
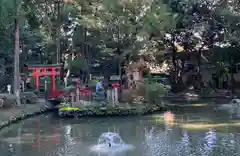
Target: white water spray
{"points": [[110, 144]]}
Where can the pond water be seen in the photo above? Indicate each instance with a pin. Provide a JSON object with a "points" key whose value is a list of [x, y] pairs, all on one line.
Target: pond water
{"points": [[178, 134]]}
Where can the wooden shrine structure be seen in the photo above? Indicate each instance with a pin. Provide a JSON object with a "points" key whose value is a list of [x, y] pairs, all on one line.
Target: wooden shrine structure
{"points": [[52, 70]]}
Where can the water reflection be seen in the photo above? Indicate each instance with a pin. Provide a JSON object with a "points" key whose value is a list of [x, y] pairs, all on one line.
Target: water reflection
{"points": [[210, 139], [48, 136], [185, 143]]}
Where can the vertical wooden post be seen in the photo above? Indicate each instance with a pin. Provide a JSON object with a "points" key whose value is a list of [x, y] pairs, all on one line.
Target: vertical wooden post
{"points": [[78, 91], [72, 98], [23, 85], [53, 79], [115, 93], [45, 84], [37, 78], [109, 97], [78, 95]]}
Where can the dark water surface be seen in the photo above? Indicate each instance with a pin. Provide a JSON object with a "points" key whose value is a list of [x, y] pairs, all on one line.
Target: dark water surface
{"points": [[191, 134]]}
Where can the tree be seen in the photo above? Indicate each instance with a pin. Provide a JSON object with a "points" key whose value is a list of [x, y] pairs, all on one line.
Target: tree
{"points": [[93, 34], [16, 85], [202, 27]]}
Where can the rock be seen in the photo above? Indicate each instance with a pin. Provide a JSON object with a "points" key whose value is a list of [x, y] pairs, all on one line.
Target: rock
{"points": [[190, 96], [235, 102]]}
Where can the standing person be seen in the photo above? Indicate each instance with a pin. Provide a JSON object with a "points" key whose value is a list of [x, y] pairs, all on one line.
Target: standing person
{"points": [[100, 93], [99, 86]]}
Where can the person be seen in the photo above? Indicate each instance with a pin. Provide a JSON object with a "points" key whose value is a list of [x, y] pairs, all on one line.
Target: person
{"points": [[99, 85], [100, 93]]}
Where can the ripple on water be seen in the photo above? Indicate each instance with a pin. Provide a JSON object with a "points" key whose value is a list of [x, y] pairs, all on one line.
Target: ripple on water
{"points": [[157, 144]]}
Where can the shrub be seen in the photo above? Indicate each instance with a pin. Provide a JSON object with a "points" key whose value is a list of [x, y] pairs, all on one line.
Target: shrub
{"points": [[152, 92], [62, 98], [29, 97], [128, 95]]}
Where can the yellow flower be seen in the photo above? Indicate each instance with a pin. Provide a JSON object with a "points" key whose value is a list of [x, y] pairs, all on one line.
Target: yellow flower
{"points": [[69, 109]]}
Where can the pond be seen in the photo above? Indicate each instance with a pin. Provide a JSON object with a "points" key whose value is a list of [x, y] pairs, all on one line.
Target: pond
{"points": [[210, 133]]}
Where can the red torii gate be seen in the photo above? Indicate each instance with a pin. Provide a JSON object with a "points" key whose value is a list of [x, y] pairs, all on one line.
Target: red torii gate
{"points": [[52, 70]]}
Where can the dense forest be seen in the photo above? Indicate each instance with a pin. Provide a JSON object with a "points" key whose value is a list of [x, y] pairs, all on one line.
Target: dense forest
{"points": [[102, 35]]}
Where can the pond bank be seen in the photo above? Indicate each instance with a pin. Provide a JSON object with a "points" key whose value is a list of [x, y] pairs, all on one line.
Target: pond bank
{"points": [[15, 114], [108, 110]]}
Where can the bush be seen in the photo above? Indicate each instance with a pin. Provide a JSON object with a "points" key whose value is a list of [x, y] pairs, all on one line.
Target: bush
{"points": [[127, 95], [153, 92], [61, 98], [29, 97]]}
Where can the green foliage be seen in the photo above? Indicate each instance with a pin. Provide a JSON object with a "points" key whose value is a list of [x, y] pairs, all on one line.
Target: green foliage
{"points": [[153, 92], [112, 31], [29, 98], [78, 64]]}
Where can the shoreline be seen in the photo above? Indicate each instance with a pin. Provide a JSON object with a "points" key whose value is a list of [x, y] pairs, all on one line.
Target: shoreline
{"points": [[25, 115], [103, 111], [12, 115]]}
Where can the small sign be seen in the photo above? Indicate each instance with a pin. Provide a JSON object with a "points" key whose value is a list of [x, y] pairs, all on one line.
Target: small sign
{"points": [[115, 77]]}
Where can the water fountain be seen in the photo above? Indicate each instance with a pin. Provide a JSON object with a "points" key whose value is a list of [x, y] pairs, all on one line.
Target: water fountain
{"points": [[110, 143]]}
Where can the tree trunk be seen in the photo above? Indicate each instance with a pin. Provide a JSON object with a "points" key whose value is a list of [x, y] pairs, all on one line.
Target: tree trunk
{"points": [[199, 62], [232, 83], [199, 74], [232, 74], [87, 57], [181, 71], [120, 74], [174, 61], [58, 46], [16, 62]]}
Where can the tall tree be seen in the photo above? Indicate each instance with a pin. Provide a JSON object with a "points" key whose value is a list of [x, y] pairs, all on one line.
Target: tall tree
{"points": [[16, 85]]}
